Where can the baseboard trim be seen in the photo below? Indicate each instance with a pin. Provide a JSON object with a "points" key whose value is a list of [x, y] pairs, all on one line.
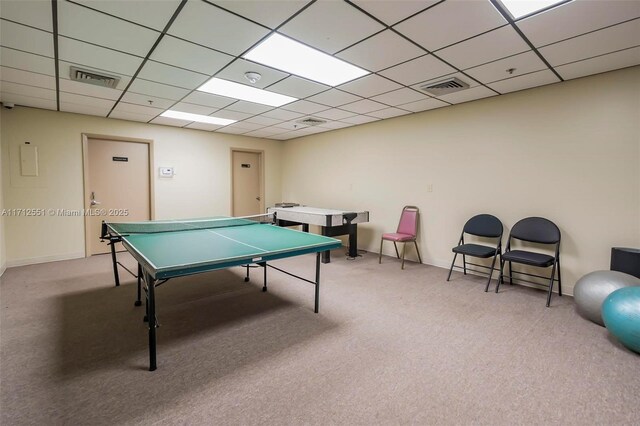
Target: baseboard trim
{"points": [[3, 268], [43, 259]]}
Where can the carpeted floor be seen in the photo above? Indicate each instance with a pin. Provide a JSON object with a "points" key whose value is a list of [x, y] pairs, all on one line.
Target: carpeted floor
{"points": [[388, 347]]}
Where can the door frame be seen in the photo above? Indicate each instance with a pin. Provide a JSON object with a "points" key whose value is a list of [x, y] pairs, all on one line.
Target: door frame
{"points": [[261, 154], [85, 176]]}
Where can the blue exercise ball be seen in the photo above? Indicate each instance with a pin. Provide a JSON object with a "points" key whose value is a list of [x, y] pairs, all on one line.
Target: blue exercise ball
{"points": [[591, 290], [621, 314]]}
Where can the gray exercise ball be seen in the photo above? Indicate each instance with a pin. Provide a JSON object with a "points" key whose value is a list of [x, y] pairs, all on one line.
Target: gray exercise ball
{"points": [[591, 290]]}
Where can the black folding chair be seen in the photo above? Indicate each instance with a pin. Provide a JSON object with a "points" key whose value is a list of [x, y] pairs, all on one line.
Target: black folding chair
{"points": [[482, 225], [535, 230]]}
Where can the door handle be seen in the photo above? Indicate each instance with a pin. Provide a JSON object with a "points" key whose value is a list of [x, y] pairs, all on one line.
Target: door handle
{"points": [[93, 199]]}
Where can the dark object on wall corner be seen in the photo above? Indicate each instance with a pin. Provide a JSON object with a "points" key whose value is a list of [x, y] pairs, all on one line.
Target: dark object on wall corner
{"points": [[626, 260]]}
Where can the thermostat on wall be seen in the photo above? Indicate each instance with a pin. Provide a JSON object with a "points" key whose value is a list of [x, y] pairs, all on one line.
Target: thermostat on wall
{"points": [[166, 172]]}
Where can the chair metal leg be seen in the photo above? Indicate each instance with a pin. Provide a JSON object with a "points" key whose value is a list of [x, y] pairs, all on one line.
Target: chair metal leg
{"points": [[380, 256], [404, 247], [417, 251], [396, 247], [501, 277], [490, 274], [553, 275], [464, 264], [510, 274], [452, 263], [559, 280]]}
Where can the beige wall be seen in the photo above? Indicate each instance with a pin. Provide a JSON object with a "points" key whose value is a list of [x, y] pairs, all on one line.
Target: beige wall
{"points": [[201, 186], [3, 252], [569, 152]]}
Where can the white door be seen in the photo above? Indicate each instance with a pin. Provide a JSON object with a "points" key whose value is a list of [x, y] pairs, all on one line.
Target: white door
{"points": [[247, 183], [116, 186]]}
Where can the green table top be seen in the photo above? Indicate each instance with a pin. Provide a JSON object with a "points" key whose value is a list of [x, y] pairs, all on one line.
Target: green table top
{"points": [[176, 253]]}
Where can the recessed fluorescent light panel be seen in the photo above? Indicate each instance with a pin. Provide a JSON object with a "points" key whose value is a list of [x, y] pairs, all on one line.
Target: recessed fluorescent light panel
{"points": [[290, 56], [520, 8], [196, 117], [243, 92]]}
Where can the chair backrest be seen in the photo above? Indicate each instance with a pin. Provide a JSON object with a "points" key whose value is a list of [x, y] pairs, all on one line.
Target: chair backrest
{"points": [[536, 230], [484, 225], [409, 221]]}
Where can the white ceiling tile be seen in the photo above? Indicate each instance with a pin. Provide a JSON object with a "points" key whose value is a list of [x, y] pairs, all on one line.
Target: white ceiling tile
{"points": [[526, 81], [138, 11], [266, 12], [451, 21], [392, 11], [298, 87], [169, 121], [28, 101], [467, 95], [265, 121], [193, 108], [97, 58], [135, 98], [335, 114], [33, 13], [360, 119], [207, 99], [576, 18], [245, 125], [31, 91], [424, 105], [334, 98], [417, 70], [330, 26], [167, 74], [364, 106], [213, 27], [26, 39], [400, 96], [232, 129], [83, 109], [304, 107], [593, 44], [523, 63], [261, 133], [188, 55], [612, 61], [249, 107], [335, 125], [203, 126], [285, 136], [80, 88], [29, 78], [389, 113], [26, 61], [235, 72], [85, 24], [290, 125], [370, 85], [97, 103], [131, 116], [281, 114], [138, 109], [146, 87], [367, 53], [488, 47], [231, 115]]}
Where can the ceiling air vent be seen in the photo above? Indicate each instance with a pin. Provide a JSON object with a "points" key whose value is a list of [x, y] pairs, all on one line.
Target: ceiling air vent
{"points": [[445, 87], [91, 77], [311, 121]]}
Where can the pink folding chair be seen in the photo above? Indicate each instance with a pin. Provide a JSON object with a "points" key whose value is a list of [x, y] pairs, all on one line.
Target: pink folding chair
{"points": [[407, 232]]}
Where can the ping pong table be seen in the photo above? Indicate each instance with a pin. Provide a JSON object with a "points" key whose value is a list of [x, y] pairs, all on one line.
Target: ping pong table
{"points": [[170, 249]]}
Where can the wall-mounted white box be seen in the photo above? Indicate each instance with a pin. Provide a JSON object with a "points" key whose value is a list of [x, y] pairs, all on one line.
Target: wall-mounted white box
{"points": [[166, 172], [28, 160]]}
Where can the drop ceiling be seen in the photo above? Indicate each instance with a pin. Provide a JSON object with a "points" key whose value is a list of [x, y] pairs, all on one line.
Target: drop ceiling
{"points": [[163, 50]]}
